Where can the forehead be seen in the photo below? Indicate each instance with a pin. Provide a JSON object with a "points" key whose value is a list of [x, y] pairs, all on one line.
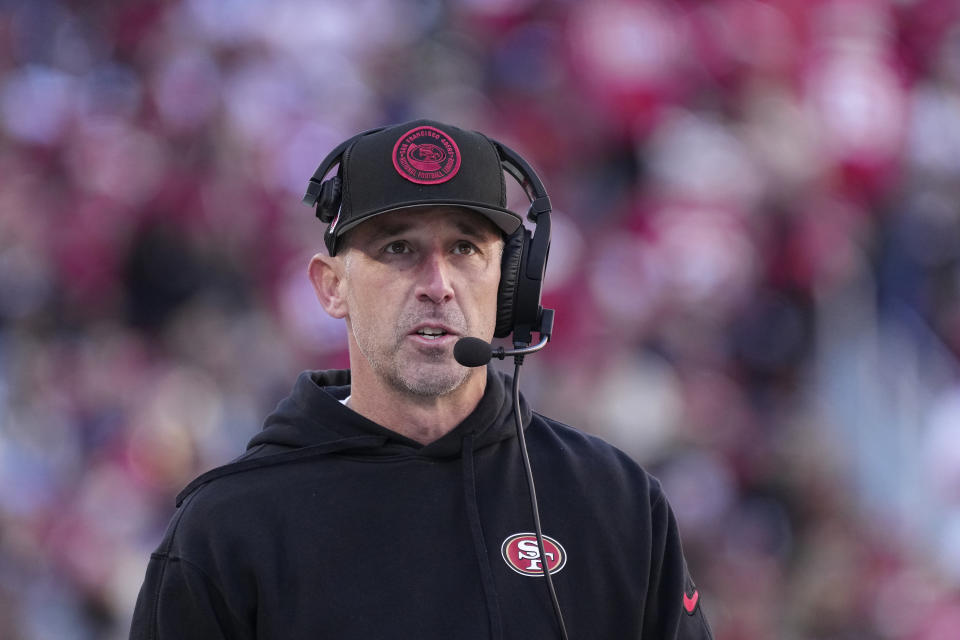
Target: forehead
{"points": [[433, 219]]}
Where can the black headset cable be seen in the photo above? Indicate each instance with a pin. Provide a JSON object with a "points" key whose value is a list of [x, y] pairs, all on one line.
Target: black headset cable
{"points": [[518, 360]]}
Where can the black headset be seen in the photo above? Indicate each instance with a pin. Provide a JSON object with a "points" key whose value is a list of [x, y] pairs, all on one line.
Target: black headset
{"points": [[524, 254]]}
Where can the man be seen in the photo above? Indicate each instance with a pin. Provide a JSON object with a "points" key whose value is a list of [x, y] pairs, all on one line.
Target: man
{"points": [[390, 501]]}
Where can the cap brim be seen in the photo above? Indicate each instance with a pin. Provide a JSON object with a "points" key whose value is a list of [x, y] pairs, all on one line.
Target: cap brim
{"points": [[506, 220]]}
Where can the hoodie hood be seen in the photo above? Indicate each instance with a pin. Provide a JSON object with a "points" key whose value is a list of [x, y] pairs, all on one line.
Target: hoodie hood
{"points": [[313, 414], [313, 421]]}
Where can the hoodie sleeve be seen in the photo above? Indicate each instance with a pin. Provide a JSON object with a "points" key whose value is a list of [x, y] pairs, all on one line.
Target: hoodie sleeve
{"points": [[177, 600], [673, 602], [192, 589]]}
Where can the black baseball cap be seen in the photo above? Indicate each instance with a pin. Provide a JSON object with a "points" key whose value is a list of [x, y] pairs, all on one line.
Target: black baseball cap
{"points": [[415, 164]]}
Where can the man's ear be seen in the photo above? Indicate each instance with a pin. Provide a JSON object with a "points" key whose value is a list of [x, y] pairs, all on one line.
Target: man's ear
{"points": [[326, 274]]}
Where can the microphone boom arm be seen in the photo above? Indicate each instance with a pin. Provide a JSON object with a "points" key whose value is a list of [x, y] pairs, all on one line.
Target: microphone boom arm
{"points": [[502, 353]]}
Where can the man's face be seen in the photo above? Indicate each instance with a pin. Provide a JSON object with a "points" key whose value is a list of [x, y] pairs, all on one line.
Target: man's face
{"points": [[414, 282]]}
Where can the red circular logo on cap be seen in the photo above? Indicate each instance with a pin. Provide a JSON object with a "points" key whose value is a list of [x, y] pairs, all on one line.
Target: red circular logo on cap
{"points": [[522, 554], [426, 155]]}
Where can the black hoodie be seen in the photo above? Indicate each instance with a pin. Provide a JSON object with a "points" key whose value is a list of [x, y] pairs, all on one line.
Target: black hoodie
{"points": [[332, 526]]}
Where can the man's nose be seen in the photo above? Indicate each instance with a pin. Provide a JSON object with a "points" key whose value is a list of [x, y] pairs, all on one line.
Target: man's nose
{"points": [[434, 279]]}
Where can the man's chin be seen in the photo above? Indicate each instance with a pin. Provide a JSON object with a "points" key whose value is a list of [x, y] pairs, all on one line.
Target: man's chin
{"points": [[432, 380]]}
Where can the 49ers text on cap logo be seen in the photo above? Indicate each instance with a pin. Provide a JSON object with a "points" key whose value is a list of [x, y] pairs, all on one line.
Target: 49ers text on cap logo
{"points": [[426, 155], [522, 554]]}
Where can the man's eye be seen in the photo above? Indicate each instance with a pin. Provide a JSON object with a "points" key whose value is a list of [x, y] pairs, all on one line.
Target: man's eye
{"points": [[397, 247], [465, 249]]}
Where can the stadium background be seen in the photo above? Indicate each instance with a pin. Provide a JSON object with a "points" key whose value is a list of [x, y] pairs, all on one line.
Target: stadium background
{"points": [[756, 270]]}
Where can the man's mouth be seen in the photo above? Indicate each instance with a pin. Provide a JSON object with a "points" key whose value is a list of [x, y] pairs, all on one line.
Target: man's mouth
{"points": [[432, 334]]}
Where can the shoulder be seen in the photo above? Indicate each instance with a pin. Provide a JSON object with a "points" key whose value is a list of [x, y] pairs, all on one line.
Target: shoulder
{"points": [[590, 457], [220, 504], [577, 442], [229, 504]]}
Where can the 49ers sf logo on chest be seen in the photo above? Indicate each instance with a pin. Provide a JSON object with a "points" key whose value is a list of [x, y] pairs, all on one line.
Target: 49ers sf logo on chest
{"points": [[522, 554]]}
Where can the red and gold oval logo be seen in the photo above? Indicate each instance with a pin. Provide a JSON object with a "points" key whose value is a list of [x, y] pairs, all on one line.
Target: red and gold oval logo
{"points": [[522, 554], [426, 155]]}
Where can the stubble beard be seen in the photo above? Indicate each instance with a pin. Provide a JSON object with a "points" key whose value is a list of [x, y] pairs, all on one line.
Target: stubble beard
{"points": [[408, 373]]}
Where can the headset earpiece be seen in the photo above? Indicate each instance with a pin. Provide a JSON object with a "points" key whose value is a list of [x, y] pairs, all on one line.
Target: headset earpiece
{"points": [[322, 193], [328, 202], [510, 266], [523, 267]]}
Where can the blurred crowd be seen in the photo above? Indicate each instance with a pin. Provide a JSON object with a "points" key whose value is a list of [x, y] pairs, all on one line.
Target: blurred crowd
{"points": [[755, 266]]}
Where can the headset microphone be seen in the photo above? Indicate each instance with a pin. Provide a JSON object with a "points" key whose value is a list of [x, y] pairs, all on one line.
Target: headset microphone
{"points": [[472, 352]]}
